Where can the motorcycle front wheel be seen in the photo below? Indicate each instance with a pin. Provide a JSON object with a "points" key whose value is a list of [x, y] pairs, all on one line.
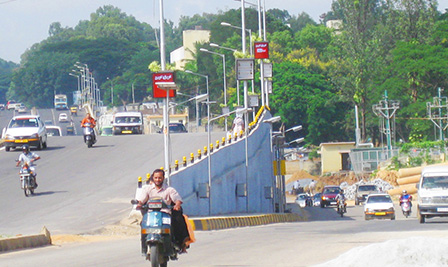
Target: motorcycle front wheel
{"points": [[89, 144]]}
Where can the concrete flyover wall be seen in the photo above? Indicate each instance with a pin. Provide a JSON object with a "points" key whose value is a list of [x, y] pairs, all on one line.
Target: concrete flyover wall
{"points": [[229, 173]]}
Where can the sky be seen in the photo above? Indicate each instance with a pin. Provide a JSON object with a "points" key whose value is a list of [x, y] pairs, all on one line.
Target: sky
{"points": [[26, 22]]}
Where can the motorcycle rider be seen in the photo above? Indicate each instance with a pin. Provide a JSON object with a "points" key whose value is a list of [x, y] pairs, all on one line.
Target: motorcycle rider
{"points": [[341, 197], [89, 119], [405, 195], [29, 157], [171, 197]]}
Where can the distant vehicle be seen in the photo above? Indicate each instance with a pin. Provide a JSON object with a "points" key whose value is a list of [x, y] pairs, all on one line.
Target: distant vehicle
{"points": [[54, 130], [48, 122], [329, 193], [2, 106], [127, 123], [60, 102], [303, 200], [317, 199], [25, 129], [107, 131], [177, 127], [379, 205], [71, 129], [63, 117], [362, 191], [12, 104], [22, 109], [74, 110]]}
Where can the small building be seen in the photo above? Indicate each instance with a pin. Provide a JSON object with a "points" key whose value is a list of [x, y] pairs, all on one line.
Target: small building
{"points": [[183, 54], [335, 156]]}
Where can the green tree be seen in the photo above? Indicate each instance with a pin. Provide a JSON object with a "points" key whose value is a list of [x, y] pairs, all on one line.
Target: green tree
{"points": [[302, 97]]}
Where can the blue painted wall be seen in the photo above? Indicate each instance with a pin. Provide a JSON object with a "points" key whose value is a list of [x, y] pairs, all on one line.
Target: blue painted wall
{"points": [[227, 171]]}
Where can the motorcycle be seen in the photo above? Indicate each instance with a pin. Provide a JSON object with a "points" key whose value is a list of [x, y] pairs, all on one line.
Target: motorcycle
{"points": [[89, 135], [405, 204], [341, 209], [27, 179], [156, 224]]}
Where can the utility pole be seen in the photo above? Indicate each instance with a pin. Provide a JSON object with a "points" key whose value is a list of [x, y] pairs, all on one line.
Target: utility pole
{"points": [[438, 112], [386, 109]]}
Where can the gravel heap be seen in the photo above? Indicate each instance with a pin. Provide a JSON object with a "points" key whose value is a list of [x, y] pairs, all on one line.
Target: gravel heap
{"points": [[349, 190]]}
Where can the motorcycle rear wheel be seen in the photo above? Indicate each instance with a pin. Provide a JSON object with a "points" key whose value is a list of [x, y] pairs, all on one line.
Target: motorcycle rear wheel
{"points": [[154, 256], [27, 192]]}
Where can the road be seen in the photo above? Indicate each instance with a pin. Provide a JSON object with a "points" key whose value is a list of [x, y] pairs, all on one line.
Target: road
{"points": [[324, 237], [82, 190]]}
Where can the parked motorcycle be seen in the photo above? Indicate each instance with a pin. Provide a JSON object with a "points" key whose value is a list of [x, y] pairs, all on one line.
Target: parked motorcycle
{"points": [[89, 135], [27, 179], [156, 224], [341, 209], [405, 204]]}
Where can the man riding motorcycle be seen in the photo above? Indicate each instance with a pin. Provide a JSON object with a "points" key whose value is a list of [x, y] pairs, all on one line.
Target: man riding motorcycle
{"points": [[341, 197], [405, 195], [29, 157], [171, 197], [89, 119]]}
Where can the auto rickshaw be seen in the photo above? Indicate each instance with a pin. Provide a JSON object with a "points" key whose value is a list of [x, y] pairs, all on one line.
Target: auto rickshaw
{"points": [[74, 110], [70, 130]]}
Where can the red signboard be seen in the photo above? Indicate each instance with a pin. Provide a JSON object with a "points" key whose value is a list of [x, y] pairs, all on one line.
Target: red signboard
{"points": [[261, 50], [162, 77]]}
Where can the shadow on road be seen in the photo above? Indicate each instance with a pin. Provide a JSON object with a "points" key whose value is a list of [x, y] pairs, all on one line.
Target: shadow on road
{"points": [[50, 148], [48, 193]]}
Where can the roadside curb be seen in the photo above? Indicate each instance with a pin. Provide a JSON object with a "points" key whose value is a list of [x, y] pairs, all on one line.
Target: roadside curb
{"points": [[218, 223], [28, 241]]}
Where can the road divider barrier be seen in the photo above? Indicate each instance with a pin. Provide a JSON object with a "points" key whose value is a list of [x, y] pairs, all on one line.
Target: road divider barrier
{"points": [[26, 241], [217, 223]]}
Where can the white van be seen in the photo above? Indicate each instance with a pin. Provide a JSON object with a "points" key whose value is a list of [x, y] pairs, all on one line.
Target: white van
{"points": [[433, 193], [128, 123]]}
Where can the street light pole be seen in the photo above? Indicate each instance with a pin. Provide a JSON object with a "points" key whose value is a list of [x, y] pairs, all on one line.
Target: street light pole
{"points": [[224, 78]]}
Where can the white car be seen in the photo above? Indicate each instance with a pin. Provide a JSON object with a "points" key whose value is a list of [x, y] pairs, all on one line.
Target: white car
{"points": [[63, 117], [303, 200], [25, 129], [21, 109], [53, 130], [380, 206]]}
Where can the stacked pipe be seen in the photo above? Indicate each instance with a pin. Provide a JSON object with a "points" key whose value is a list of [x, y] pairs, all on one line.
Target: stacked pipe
{"points": [[408, 178]]}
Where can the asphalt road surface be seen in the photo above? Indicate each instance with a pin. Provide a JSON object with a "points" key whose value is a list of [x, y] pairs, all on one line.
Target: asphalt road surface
{"points": [[80, 189], [317, 241]]}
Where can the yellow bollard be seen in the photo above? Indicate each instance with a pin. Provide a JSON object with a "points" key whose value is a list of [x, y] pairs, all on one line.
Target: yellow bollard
{"points": [[192, 157], [230, 138], [211, 147], [223, 141], [148, 175], [236, 136], [241, 133], [176, 165], [217, 144], [184, 161], [199, 154], [139, 184], [205, 151]]}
